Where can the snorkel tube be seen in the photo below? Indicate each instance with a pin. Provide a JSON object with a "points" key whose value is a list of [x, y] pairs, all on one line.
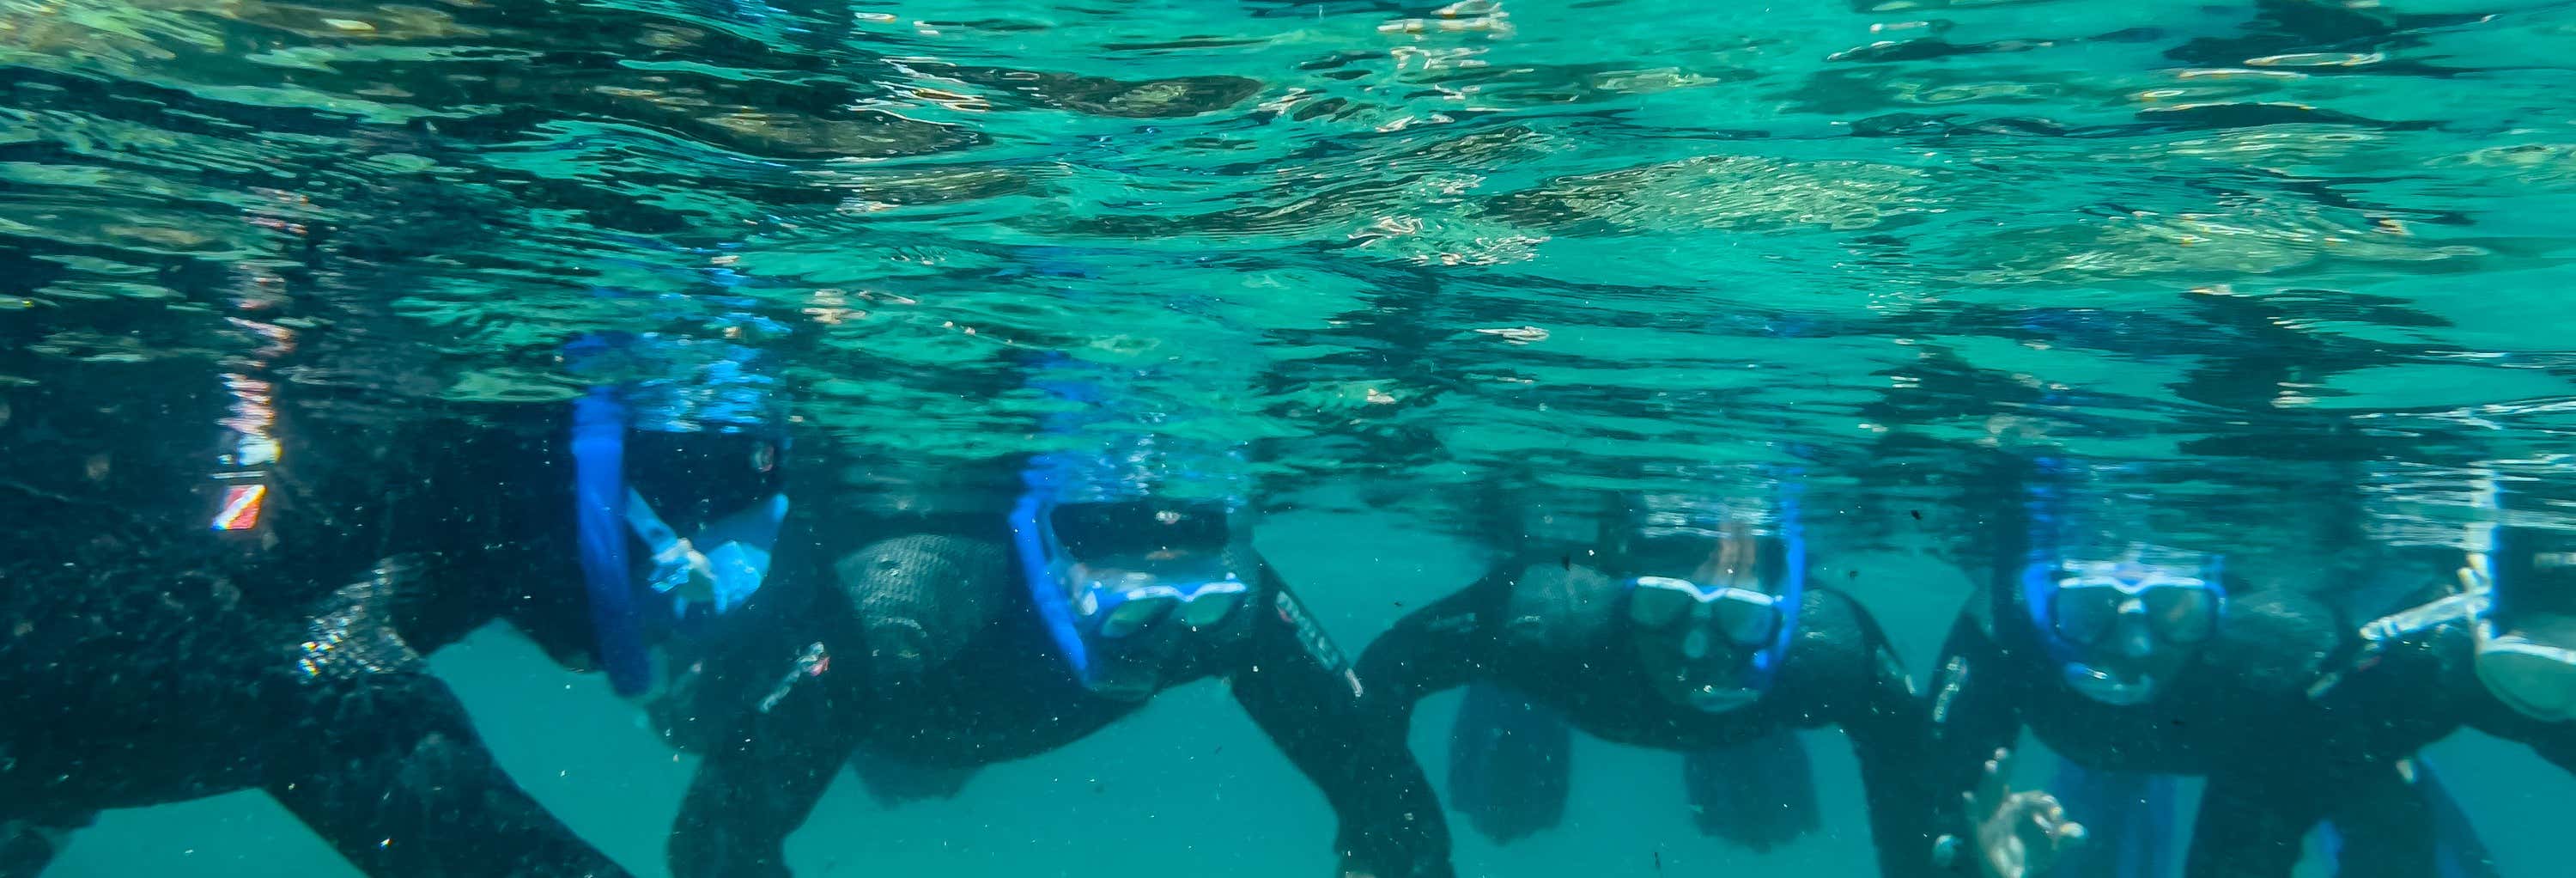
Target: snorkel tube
{"points": [[1038, 569], [1792, 594], [1045, 479], [600, 422]]}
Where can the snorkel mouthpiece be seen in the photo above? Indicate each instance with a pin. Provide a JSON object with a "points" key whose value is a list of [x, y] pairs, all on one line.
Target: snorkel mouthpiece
{"points": [[2101, 686]]}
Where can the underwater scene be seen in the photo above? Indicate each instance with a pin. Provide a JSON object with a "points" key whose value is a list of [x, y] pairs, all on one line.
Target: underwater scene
{"points": [[1342, 439]]}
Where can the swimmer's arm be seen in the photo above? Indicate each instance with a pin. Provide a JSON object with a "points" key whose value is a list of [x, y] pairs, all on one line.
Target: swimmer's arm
{"points": [[2251, 823], [2555, 742], [763, 778], [1441, 646], [1973, 712], [1891, 735], [1297, 687]]}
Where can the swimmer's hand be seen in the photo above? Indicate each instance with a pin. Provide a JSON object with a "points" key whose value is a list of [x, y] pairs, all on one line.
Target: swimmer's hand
{"points": [[2018, 834], [686, 572]]}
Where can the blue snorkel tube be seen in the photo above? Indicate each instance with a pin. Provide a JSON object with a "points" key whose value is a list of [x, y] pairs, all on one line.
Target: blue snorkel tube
{"points": [[1044, 480], [1037, 568], [1793, 592], [2043, 502], [599, 429]]}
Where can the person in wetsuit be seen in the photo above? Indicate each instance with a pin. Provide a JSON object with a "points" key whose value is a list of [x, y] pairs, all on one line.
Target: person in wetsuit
{"points": [[246, 604], [977, 645], [186, 612], [1511, 758], [1681, 636], [2126, 656]]}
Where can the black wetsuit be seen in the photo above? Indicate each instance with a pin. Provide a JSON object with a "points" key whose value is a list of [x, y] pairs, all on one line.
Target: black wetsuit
{"points": [[931, 652], [1549, 629], [2278, 760], [146, 657]]}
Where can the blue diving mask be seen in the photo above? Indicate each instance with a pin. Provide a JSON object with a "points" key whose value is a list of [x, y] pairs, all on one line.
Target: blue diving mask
{"points": [[2116, 627], [1705, 638], [1123, 584]]}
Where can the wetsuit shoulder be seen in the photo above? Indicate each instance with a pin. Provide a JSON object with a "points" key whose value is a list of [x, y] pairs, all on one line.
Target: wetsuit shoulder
{"points": [[1842, 661], [2273, 642], [1547, 607]]}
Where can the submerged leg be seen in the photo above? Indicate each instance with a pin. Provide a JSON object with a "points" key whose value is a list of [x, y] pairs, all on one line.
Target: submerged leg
{"points": [[2402, 823], [381, 760], [1510, 763], [2129, 817], [893, 782], [1760, 794], [27, 847]]}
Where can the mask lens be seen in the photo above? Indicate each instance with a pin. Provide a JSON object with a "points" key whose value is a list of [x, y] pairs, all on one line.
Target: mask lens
{"points": [[2086, 615], [1657, 602], [1132, 615], [2182, 615], [1210, 607], [1747, 623]]}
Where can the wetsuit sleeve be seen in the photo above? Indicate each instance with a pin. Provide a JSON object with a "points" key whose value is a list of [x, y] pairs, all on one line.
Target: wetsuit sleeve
{"points": [[396, 781], [1760, 794], [2254, 820], [1441, 646], [2454, 654], [1973, 712], [760, 782], [2400, 824], [1508, 766], [1892, 736], [2250, 826], [2555, 742], [1298, 687], [26, 848], [785, 720]]}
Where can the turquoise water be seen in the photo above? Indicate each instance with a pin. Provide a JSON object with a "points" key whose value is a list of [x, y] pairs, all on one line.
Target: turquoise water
{"points": [[2298, 257]]}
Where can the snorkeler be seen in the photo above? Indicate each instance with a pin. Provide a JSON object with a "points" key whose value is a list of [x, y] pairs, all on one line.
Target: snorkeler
{"points": [[2129, 657], [1690, 633], [165, 637], [1511, 757], [2508, 621], [957, 650], [996, 637], [2525, 641], [202, 613]]}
